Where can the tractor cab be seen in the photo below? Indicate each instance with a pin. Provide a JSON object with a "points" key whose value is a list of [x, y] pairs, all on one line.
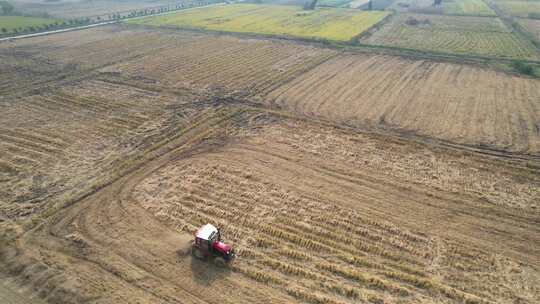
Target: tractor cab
{"points": [[208, 243]]}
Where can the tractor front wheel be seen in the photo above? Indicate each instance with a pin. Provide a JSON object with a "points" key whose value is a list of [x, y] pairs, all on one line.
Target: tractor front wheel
{"points": [[196, 252], [219, 261]]}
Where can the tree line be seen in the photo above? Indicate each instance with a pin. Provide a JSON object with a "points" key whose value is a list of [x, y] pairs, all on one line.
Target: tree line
{"points": [[8, 9]]}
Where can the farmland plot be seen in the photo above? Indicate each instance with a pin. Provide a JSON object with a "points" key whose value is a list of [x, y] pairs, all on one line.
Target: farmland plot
{"points": [[33, 64], [55, 143], [519, 8], [531, 25], [447, 7], [22, 72], [166, 60], [452, 102], [225, 64], [119, 141], [467, 7], [453, 34], [318, 215], [81, 8], [277, 20], [93, 48], [11, 23]]}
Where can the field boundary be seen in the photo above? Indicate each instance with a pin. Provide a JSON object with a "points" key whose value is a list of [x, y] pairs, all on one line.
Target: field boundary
{"points": [[510, 22], [496, 63], [406, 135], [373, 28]]}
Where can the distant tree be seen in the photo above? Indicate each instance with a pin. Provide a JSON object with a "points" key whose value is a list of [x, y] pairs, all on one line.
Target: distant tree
{"points": [[7, 8], [437, 2], [534, 15], [43, 15], [310, 5], [4, 30], [523, 68]]}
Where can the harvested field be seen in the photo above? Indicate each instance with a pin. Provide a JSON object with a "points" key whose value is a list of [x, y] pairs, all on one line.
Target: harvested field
{"points": [[467, 7], [452, 102], [94, 48], [320, 167], [53, 144], [318, 215], [37, 63], [453, 34], [245, 66], [531, 25], [276, 20], [81, 8], [164, 60], [447, 7], [12, 293], [519, 8]]}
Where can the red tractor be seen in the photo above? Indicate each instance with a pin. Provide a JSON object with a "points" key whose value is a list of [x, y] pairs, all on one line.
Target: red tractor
{"points": [[208, 243]]}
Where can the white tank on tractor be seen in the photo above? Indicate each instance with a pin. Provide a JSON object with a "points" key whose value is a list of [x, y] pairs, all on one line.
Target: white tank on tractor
{"points": [[208, 244]]}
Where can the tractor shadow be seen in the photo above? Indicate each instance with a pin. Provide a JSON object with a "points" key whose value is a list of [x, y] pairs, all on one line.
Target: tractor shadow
{"points": [[205, 272]]}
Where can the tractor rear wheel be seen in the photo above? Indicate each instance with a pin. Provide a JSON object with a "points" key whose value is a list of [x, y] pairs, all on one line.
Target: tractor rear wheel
{"points": [[196, 252], [219, 261]]}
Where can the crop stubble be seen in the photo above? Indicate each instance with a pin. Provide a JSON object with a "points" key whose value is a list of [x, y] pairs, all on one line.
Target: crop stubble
{"points": [[458, 103], [318, 214]]}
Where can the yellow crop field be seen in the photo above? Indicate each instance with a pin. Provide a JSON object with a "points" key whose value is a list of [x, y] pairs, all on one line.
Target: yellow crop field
{"points": [[323, 23]]}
